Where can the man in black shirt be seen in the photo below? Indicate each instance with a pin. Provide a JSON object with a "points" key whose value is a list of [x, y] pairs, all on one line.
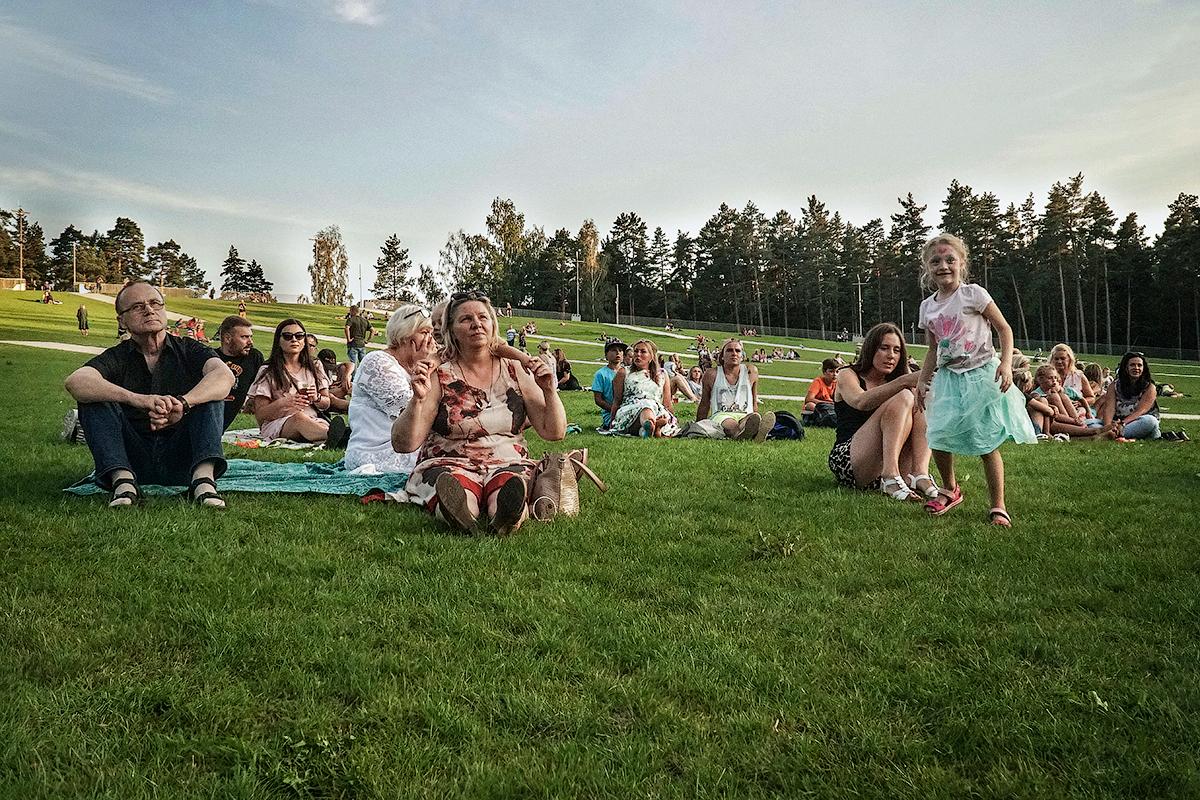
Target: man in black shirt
{"points": [[151, 406], [243, 359]]}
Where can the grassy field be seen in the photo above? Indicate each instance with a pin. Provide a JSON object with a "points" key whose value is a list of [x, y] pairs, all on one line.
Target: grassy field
{"points": [[725, 622]]}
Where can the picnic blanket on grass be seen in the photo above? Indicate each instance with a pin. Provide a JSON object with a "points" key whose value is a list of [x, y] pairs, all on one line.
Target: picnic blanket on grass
{"points": [[252, 438], [249, 475]]}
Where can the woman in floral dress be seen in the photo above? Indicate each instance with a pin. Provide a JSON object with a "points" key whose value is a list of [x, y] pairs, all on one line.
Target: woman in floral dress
{"points": [[467, 417], [643, 402]]}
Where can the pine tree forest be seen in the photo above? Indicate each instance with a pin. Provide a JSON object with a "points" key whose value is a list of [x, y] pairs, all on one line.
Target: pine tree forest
{"points": [[1070, 270], [1065, 267]]}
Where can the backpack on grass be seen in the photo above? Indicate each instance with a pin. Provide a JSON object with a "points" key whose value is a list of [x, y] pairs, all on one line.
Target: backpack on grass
{"points": [[786, 427]]}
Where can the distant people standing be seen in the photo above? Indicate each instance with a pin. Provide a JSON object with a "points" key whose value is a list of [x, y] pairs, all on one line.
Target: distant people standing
{"points": [[522, 345], [510, 335], [81, 315], [358, 333], [242, 309]]}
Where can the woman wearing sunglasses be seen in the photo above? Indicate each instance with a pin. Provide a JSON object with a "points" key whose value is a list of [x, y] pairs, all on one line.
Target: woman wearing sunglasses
{"points": [[290, 388], [467, 417]]}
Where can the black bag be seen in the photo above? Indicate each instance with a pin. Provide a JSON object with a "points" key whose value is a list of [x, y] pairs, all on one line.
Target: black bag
{"points": [[786, 427], [822, 417]]}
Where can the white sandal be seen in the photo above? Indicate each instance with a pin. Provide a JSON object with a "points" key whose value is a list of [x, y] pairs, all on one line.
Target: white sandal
{"points": [[901, 492], [929, 493]]}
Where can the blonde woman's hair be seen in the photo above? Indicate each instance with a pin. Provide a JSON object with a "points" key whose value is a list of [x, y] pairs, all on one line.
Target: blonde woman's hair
{"points": [[960, 247], [1065, 348], [404, 322], [451, 347], [652, 367]]}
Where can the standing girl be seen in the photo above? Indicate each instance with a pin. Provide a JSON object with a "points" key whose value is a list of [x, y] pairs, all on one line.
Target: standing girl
{"points": [[974, 407]]}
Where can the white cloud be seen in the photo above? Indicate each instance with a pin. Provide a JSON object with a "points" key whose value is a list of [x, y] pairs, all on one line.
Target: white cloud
{"points": [[359, 12], [48, 55], [95, 184]]}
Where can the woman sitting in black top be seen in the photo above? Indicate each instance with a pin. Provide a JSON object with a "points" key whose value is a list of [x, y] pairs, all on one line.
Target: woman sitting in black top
{"points": [[567, 382], [880, 440]]}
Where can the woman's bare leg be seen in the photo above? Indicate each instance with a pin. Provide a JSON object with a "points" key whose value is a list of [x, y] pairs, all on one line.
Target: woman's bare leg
{"points": [[886, 430], [300, 427]]}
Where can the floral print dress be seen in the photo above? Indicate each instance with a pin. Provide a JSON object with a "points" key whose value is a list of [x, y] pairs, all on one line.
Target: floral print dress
{"points": [[642, 392], [476, 435]]}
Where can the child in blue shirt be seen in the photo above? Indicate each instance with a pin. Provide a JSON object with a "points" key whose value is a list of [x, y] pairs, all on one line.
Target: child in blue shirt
{"points": [[602, 383]]}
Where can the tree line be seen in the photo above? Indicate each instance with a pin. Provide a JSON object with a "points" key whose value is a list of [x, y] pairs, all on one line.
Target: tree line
{"points": [[1071, 272], [112, 257]]}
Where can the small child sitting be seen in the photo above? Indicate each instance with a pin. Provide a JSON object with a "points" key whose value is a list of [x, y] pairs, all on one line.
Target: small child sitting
{"points": [[1052, 408]]}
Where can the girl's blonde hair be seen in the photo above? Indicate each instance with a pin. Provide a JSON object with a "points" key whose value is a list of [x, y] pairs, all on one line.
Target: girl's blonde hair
{"points": [[1046, 369], [960, 247], [1064, 348]]}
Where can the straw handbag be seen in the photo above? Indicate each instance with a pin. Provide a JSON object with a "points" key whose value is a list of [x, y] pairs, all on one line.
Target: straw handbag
{"points": [[556, 484]]}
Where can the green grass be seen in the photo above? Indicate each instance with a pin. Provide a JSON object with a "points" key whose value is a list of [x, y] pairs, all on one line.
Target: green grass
{"points": [[723, 623]]}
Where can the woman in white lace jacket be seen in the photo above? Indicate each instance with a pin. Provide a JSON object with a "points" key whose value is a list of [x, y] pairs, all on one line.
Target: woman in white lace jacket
{"points": [[382, 388]]}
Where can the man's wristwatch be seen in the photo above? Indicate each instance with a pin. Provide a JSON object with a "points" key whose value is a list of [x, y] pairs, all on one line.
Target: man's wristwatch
{"points": [[186, 405]]}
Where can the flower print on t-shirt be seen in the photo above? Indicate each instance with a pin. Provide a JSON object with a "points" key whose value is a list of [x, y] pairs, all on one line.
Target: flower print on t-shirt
{"points": [[957, 324]]}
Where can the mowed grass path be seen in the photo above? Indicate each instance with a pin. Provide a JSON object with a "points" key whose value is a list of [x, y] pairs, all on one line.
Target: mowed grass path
{"points": [[724, 622]]}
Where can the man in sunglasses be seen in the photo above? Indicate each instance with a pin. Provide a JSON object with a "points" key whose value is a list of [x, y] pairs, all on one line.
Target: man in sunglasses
{"points": [[152, 406]]}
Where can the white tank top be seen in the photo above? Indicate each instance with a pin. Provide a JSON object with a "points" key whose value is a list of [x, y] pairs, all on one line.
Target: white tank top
{"points": [[737, 398]]}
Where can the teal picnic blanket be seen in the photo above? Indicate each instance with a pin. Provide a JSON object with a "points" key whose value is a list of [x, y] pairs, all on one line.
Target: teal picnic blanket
{"points": [[248, 475]]}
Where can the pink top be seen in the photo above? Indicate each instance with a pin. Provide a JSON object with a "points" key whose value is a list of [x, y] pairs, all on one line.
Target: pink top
{"points": [[964, 336]]}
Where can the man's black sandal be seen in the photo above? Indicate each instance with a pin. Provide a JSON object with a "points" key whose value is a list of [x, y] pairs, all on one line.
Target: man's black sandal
{"points": [[201, 499], [134, 497]]}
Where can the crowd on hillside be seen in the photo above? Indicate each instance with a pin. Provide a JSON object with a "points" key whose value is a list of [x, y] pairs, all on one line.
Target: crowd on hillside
{"points": [[447, 398]]}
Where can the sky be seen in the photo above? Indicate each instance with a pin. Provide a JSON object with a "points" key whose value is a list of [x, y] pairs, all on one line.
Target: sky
{"points": [[257, 123]]}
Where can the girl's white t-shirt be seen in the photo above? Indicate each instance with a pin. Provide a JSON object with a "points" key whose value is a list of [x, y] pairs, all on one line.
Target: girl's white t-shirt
{"points": [[964, 336]]}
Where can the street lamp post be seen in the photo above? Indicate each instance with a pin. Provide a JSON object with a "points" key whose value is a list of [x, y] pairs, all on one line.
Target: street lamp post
{"points": [[860, 283], [21, 244], [74, 270]]}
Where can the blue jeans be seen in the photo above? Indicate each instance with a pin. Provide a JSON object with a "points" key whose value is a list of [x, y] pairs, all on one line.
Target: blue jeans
{"points": [[355, 354], [166, 458], [1144, 427]]}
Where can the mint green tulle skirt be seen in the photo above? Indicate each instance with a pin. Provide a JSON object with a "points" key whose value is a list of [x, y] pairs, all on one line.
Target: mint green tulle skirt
{"points": [[967, 414]]}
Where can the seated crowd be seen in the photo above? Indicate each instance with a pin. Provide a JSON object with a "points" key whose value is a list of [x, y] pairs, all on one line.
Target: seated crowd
{"points": [[446, 400]]}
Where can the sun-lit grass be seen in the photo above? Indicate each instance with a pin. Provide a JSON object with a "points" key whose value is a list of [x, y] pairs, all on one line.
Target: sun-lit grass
{"points": [[724, 622]]}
